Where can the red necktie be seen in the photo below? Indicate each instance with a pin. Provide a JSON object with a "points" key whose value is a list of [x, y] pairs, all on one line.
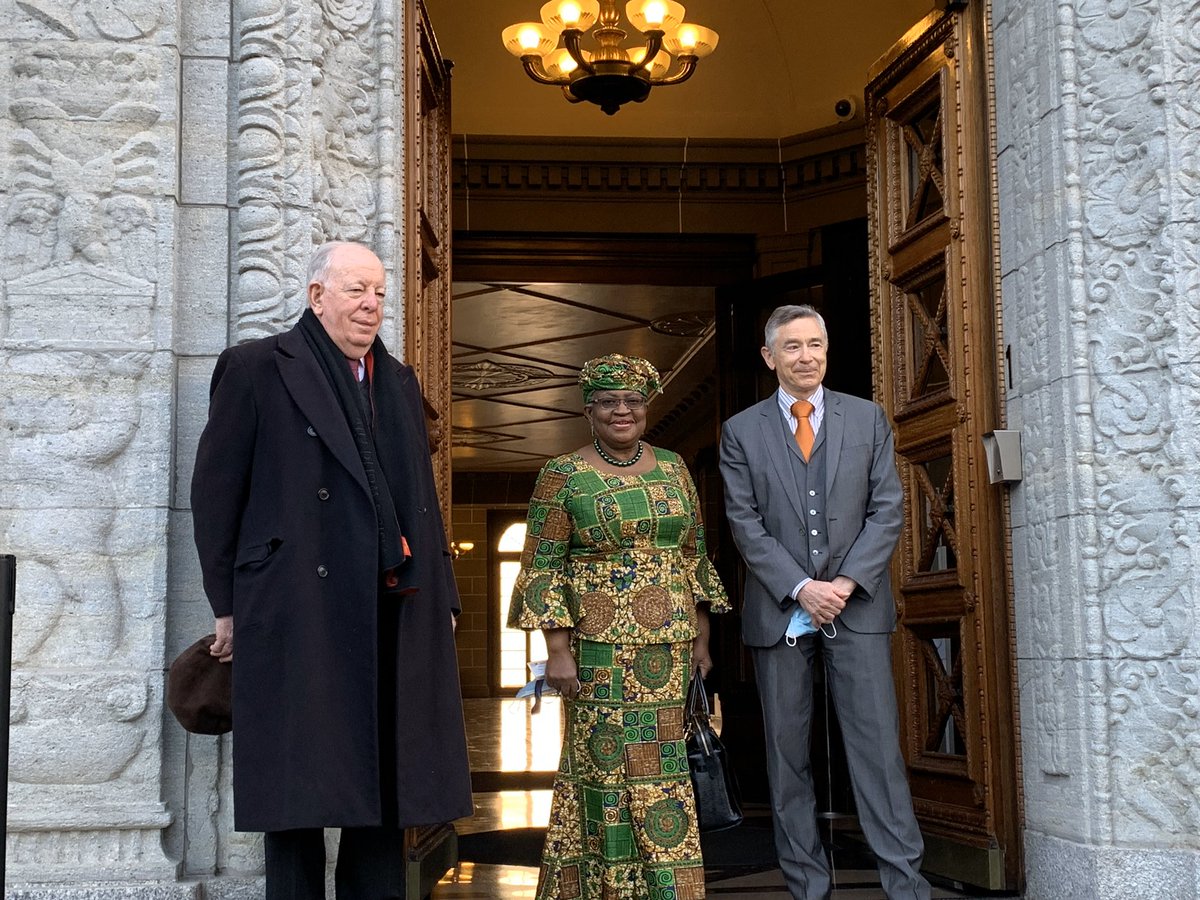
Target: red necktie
{"points": [[804, 432]]}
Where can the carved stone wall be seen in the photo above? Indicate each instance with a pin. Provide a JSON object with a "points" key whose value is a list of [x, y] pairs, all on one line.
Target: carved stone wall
{"points": [[88, 112], [168, 167], [1097, 108]]}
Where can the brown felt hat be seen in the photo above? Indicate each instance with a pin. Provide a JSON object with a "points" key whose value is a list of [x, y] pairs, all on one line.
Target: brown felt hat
{"points": [[200, 689]]}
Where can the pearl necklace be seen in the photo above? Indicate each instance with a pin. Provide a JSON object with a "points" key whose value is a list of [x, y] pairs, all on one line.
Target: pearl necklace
{"points": [[619, 463]]}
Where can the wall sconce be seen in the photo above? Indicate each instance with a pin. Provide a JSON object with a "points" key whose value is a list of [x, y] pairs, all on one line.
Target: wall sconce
{"points": [[461, 548]]}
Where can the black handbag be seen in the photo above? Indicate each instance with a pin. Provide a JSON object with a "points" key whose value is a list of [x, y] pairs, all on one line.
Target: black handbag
{"points": [[717, 803]]}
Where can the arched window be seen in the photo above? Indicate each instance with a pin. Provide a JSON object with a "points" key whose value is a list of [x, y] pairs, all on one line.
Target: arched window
{"points": [[517, 648]]}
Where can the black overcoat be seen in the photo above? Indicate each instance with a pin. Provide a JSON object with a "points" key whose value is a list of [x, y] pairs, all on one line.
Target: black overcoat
{"points": [[286, 535]]}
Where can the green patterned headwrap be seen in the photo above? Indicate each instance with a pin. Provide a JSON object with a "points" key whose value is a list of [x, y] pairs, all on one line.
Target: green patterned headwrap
{"points": [[617, 372]]}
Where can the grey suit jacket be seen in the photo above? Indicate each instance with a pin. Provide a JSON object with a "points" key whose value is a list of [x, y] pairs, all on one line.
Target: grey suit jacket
{"points": [[863, 506]]}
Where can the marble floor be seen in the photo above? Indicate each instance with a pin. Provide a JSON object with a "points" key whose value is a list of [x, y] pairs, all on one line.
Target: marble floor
{"points": [[513, 757]]}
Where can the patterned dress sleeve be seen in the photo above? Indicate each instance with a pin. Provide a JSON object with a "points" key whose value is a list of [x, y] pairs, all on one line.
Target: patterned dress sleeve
{"points": [[706, 584], [541, 596]]}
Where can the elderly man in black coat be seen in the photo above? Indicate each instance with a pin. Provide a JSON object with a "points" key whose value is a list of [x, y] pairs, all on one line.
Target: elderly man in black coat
{"points": [[319, 533]]}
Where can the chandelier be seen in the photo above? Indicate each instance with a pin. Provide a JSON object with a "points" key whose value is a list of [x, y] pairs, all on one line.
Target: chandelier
{"points": [[609, 75]]}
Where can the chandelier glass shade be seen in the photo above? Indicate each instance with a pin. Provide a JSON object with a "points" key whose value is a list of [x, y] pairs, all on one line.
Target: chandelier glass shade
{"points": [[609, 74]]}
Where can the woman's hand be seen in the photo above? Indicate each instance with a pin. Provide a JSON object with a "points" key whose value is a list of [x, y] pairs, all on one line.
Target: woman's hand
{"points": [[561, 672], [700, 658]]}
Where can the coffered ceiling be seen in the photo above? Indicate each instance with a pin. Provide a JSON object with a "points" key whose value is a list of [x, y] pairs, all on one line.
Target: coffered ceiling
{"points": [[780, 67], [518, 350]]}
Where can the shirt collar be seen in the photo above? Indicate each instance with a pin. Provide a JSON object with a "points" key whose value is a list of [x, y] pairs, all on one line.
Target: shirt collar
{"points": [[817, 399]]}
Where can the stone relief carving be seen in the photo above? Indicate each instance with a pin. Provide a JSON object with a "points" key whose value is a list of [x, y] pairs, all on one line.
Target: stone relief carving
{"points": [[80, 193], [1153, 714], [1130, 398], [124, 21], [84, 468], [1114, 250], [76, 730], [271, 168], [1147, 611], [345, 122]]}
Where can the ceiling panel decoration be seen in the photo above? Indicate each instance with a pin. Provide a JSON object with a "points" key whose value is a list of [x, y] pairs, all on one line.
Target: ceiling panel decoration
{"points": [[518, 349]]}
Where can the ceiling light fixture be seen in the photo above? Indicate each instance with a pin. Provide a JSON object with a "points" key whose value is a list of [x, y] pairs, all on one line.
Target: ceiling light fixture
{"points": [[609, 75]]}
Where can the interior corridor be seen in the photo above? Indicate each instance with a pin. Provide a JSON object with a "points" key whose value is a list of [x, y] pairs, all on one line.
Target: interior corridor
{"points": [[513, 756]]}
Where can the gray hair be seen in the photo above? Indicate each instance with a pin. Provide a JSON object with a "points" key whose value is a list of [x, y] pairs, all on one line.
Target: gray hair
{"points": [[784, 314], [319, 264]]}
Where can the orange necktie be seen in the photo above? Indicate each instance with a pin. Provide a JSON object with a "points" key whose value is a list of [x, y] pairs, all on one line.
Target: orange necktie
{"points": [[804, 432]]}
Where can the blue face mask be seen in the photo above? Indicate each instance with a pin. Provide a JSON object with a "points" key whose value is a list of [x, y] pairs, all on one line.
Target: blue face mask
{"points": [[801, 624]]}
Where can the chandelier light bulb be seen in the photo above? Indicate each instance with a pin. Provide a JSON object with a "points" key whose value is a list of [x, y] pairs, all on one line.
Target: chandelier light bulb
{"points": [[569, 11], [691, 40], [609, 74], [570, 15], [529, 38], [655, 15], [654, 11], [560, 63]]}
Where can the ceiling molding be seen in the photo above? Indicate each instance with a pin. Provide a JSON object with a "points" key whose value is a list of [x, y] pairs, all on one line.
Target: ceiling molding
{"points": [[721, 171], [693, 259]]}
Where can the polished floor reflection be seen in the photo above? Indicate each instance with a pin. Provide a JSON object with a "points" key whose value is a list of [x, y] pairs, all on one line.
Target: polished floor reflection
{"points": [[513, 756]]}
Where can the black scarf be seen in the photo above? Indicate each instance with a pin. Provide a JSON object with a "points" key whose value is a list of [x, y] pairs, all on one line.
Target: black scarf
{"points": [[379, 458]]}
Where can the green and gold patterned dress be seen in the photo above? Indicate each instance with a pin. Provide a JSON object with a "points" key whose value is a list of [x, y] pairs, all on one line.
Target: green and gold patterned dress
{"points": [[620, 560]]}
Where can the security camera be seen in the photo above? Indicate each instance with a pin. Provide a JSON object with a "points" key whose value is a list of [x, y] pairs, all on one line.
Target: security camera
{"points": [[845, 109]]}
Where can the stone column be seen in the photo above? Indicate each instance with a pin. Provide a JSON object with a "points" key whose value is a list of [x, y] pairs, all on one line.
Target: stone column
{"points": [[1098, 109], [169, 167], [88, 115]]}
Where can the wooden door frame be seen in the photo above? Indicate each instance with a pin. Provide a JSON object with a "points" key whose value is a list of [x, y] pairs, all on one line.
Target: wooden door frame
{"points": [[987, 850], [426, 232]]}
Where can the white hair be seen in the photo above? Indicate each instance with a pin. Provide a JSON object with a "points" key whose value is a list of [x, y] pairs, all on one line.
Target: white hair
{"points": [[319, 264]]}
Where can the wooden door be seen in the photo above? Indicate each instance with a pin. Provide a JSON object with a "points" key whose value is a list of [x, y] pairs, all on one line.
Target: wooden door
{"points": [[432, 849], [934, 328], [427, 231]]}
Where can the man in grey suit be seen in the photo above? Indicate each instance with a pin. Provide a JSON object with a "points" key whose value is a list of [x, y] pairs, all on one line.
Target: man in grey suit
{"points": [[815, 505]]}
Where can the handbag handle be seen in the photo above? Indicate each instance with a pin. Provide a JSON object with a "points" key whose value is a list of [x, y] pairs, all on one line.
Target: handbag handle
{"points": [[697, 712], [697, 697]]}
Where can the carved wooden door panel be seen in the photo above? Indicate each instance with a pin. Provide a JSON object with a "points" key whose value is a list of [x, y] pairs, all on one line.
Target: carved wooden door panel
{"points": [[935, 314], [431, 849], [427, 288]]}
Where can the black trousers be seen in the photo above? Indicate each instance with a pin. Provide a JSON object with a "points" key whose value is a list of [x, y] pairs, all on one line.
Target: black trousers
{"points": [[370, 864]]}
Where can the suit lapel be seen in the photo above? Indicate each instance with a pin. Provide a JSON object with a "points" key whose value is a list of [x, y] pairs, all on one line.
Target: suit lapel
{"points": [[774, 437], [305, 381], [834, 427]]}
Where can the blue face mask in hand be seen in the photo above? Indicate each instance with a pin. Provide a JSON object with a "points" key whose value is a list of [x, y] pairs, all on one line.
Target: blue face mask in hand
{"points": [[801, 624]]}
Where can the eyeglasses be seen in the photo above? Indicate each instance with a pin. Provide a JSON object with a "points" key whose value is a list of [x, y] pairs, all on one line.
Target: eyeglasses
{"points": [[608, 404]]}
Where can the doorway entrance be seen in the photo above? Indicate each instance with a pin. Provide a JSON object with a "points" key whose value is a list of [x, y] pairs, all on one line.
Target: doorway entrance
{"points": [[916, 238]]}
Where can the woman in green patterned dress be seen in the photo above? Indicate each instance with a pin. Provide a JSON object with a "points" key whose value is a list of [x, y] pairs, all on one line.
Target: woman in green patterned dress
{"points": [[614, 572]]}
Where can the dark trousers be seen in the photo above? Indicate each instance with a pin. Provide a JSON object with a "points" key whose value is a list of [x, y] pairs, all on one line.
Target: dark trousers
{"points": [[858, 670], [370, 864]]}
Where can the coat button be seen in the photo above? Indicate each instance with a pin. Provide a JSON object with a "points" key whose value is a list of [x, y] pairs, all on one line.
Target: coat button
{"points": [[322, 494], [422, 509], [322, 571], [312, 432]]}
